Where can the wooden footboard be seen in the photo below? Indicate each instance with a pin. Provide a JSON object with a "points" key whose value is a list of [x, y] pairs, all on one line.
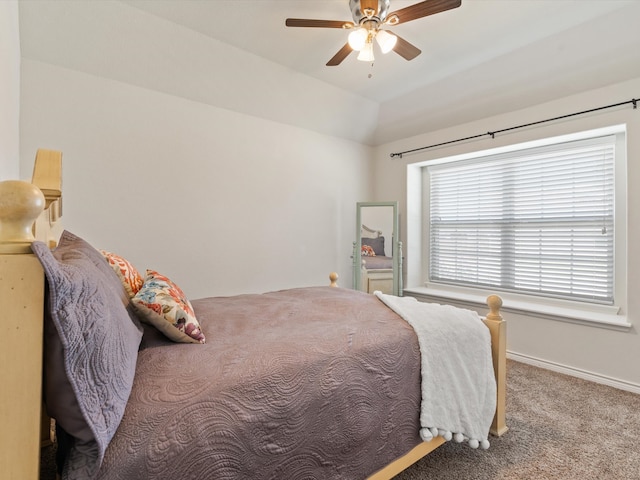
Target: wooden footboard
{"points": [[26, 208], [498, 330]]}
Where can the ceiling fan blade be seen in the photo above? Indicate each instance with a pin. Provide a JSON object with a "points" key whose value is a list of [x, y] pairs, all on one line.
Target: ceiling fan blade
{"points": [[405, 49], [423, 9], [340, 56], [369, 4], [302, 22]]}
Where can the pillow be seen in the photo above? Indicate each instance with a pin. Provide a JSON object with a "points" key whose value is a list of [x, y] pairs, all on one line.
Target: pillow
{"points": [[161, 303], [376, 243], [127, 273], [90, 352], [367, 251]]}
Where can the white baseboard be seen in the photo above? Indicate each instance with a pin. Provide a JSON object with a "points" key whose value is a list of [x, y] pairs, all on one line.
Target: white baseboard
{"points": [[575, 372]]}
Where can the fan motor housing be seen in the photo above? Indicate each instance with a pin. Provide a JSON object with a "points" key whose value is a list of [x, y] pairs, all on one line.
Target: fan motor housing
{"points": [[358, 15]]}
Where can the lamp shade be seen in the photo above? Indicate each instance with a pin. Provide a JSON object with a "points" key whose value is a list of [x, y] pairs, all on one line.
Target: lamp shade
{"points": [[386, 41], [358, 38], [366, 54]]}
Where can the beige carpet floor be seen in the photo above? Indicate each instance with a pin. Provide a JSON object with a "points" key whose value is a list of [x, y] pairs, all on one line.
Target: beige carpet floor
{"points": [[560, 427]]}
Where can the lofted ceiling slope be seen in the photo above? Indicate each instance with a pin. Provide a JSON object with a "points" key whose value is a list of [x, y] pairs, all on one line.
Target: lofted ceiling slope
{"points": [[483, 58]]}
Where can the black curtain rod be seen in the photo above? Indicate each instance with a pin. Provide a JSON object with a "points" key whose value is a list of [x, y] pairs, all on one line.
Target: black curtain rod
{"points": [[634, 101]]}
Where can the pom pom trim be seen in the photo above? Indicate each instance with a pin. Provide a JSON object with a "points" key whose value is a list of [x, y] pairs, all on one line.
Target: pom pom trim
{"points": [[427, 434]]}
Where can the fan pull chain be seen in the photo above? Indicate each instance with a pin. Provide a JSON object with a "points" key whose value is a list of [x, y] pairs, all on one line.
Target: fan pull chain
{"points": [[371, 72]]}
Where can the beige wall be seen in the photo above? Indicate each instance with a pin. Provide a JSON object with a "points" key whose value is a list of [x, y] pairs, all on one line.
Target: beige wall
{"points": [[189, 156], [589, 351], [9, 90], [221, 201]]}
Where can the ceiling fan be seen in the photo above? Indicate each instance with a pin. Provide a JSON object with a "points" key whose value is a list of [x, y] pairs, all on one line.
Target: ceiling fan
{"points": [[369, 18]]}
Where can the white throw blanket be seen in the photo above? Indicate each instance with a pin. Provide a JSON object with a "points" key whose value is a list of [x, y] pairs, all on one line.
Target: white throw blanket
{"points": [[458, 382]]}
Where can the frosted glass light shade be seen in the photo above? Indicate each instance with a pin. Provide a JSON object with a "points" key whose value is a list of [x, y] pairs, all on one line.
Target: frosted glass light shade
{"points": [[358, 39], [386, 41], [366, 54]]}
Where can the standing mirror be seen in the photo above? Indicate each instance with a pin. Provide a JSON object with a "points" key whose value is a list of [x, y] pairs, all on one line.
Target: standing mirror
{"points": [[377, 251]]}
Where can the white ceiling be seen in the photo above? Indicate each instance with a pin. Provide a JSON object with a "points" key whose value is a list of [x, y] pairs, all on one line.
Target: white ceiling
{"points": [[452, 41], [483, 58]]}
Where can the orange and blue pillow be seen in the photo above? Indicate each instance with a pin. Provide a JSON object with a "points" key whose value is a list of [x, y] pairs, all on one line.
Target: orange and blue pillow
{"points": [[367, 251], [127, 273], [161, 303]]}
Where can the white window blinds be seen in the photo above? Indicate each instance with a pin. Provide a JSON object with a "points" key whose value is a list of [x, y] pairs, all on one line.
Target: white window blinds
{"points": [[537, 221]]}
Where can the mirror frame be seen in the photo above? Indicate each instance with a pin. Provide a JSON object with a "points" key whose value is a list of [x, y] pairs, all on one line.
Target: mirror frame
{"points": [[396, 246]]}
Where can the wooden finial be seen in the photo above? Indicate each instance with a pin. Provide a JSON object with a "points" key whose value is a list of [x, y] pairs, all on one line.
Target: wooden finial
{"points": [[20, 205], [494, 302], [333, 276]]}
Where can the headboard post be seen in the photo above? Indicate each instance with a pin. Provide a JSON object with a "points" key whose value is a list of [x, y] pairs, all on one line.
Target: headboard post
{"points": [[25, 209], [47, 176], [21, 331]]}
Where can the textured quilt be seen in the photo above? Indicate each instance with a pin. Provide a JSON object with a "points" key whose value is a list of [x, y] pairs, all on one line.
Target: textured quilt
{"points": [[378, 262], [313, 383]]}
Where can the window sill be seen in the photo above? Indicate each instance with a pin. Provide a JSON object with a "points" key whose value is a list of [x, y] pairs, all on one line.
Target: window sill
{"points": [[602, 317]]}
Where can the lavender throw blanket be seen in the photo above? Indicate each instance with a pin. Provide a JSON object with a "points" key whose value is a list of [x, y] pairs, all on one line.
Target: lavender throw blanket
{"points": [[314, 383]]}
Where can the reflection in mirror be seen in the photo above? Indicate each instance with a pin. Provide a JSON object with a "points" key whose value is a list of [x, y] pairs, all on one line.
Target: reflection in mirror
{"points": [[377, 251]]}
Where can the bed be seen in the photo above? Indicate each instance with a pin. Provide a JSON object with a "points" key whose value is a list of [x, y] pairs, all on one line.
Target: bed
{"points": [[377, 267], [315, 382]]}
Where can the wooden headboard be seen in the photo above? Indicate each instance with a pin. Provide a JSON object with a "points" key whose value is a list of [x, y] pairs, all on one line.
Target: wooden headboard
{"points": [[28, 211], [366, 232]]}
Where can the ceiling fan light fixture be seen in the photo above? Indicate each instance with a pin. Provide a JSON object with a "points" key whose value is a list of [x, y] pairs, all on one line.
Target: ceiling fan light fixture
{"points": [[358, 39], [386, 40], [366, 54], [369, 17]]}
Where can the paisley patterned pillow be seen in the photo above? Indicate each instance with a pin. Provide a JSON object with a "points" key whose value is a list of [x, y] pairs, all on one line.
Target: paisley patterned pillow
{"points": [[161, 303], [127, 273], [367, 251]]}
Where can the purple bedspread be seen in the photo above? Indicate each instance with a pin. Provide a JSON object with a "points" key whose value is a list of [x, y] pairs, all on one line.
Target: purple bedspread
{"points": [[377, 262], [309, 383]]}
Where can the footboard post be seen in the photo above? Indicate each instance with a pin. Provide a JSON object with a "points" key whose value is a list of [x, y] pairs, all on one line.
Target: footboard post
{"points": [[498, 329]]}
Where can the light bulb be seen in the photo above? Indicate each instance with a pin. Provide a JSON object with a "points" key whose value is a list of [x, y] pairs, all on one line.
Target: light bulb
{"points": [[386, 41], [358, 39], [366, 54]]}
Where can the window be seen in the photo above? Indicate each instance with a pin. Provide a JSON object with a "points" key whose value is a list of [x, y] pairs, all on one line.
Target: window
{"points": [[537, 221]]}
